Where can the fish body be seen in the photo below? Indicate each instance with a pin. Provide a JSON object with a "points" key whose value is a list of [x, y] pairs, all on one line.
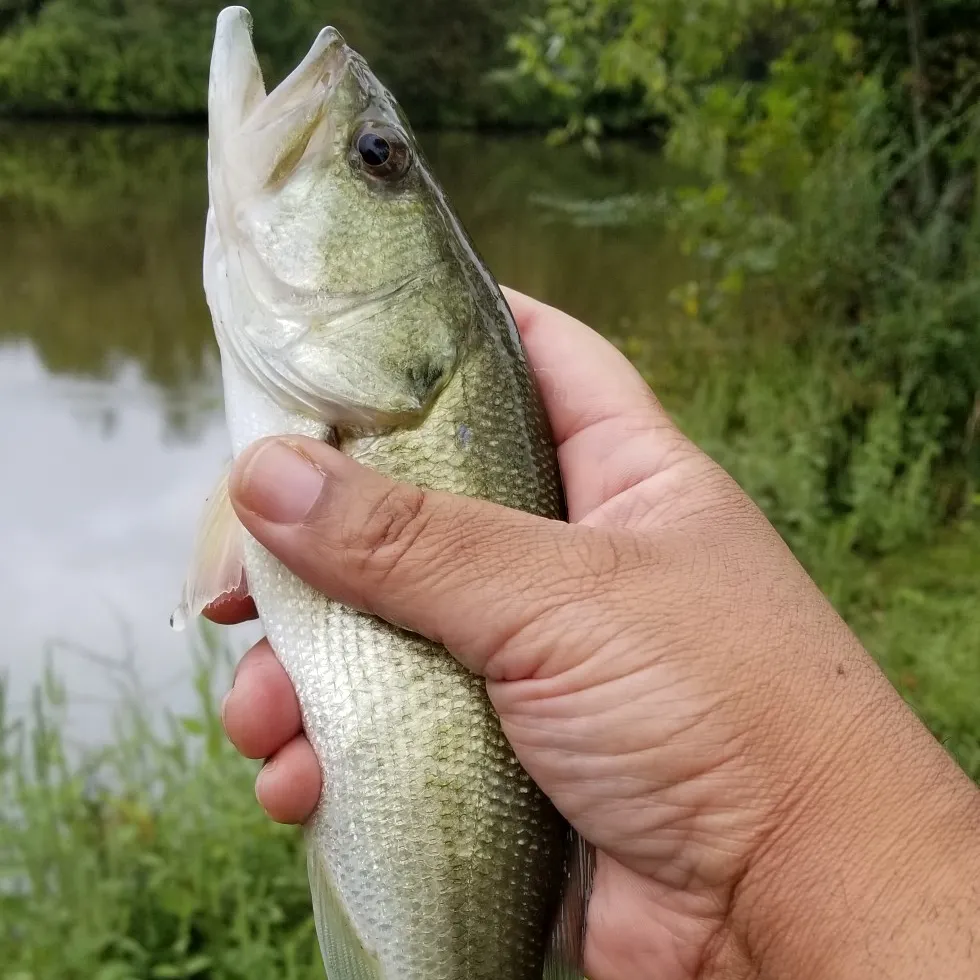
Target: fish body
{"points": [[350, 305]]}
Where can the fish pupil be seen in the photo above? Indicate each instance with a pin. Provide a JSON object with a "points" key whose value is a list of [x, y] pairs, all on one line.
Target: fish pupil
{"points": [[374, 149]]}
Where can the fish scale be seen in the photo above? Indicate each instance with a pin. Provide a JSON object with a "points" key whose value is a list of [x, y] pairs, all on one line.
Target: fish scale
{"points": [[349, 304]]}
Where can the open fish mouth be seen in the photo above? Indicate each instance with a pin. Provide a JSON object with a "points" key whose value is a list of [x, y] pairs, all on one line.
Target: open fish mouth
{"points": [[267, 132]]}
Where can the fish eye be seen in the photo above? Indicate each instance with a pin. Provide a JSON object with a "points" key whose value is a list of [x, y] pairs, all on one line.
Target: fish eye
{"points": [[380, 151]]}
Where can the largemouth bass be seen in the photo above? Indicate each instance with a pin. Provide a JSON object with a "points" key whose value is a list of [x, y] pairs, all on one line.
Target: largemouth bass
{"points": [[350, 305]]}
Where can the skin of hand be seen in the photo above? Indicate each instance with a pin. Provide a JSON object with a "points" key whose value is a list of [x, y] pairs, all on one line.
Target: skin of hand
{"points": [[763, 802]]}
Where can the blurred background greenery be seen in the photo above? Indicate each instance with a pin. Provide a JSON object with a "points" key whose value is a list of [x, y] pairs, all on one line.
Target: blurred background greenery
{"points": [[770, 205], [149, 58]]}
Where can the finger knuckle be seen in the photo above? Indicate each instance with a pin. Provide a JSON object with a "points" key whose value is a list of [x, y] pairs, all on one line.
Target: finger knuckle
{"points": [[392, 531]]}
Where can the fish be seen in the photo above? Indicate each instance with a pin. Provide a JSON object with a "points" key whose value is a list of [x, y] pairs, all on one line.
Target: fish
{"points": [[350, 305]]}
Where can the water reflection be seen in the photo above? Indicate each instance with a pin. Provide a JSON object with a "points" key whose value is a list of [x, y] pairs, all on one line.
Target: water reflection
{"points": [[98, 509], [108, 380]]}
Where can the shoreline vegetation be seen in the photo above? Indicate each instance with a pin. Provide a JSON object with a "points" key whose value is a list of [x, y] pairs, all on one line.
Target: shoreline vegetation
{"points": [[832, 226]]}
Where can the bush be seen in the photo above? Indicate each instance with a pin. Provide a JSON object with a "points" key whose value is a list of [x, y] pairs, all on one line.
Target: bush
{"points": [[85, 59], [831, 206], [893, 302]]}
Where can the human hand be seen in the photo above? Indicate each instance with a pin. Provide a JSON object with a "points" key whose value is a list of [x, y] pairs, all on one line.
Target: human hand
{"points": [[665, 671]]}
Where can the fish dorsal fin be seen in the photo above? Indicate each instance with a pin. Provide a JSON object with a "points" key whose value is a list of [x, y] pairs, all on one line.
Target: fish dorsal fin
{"points": [[217, 567], [565, 958]]}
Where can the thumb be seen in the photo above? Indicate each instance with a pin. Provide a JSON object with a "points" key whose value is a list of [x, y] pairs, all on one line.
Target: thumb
{"points": [[491, 584]]}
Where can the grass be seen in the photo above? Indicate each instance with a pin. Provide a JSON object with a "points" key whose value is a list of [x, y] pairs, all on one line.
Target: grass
{"points": [[149, 858], [919, 618]]}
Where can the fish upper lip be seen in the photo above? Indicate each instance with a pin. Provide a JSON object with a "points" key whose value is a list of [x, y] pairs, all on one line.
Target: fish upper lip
{"points": [[314, 78], [235, 62]]}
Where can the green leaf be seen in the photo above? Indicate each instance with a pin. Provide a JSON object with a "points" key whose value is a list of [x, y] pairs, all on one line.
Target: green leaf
{"points": [[193, 726]]}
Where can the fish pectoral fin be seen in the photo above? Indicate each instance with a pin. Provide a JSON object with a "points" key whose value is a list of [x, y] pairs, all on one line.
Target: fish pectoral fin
{"points": [[565, 957], [217, 567], [345, 956]]}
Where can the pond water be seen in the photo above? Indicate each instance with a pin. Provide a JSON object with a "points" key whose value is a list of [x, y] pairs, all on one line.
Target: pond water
{"points": [[113, 431]]}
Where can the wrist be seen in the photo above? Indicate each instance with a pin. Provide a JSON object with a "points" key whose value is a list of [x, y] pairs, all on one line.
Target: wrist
{"points": [[871, 864]]}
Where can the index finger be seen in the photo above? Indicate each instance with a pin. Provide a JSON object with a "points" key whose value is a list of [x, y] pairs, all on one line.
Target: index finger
{"points": [[611, 430]]}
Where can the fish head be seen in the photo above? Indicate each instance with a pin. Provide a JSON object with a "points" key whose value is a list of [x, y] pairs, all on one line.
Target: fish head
{"points": [[336, 271]]}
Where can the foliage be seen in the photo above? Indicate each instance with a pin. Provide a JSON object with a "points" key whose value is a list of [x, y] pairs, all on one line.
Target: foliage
{"points": [[833, 204], [149, 58], [90, 58], [439, 57], [897, 304]]}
